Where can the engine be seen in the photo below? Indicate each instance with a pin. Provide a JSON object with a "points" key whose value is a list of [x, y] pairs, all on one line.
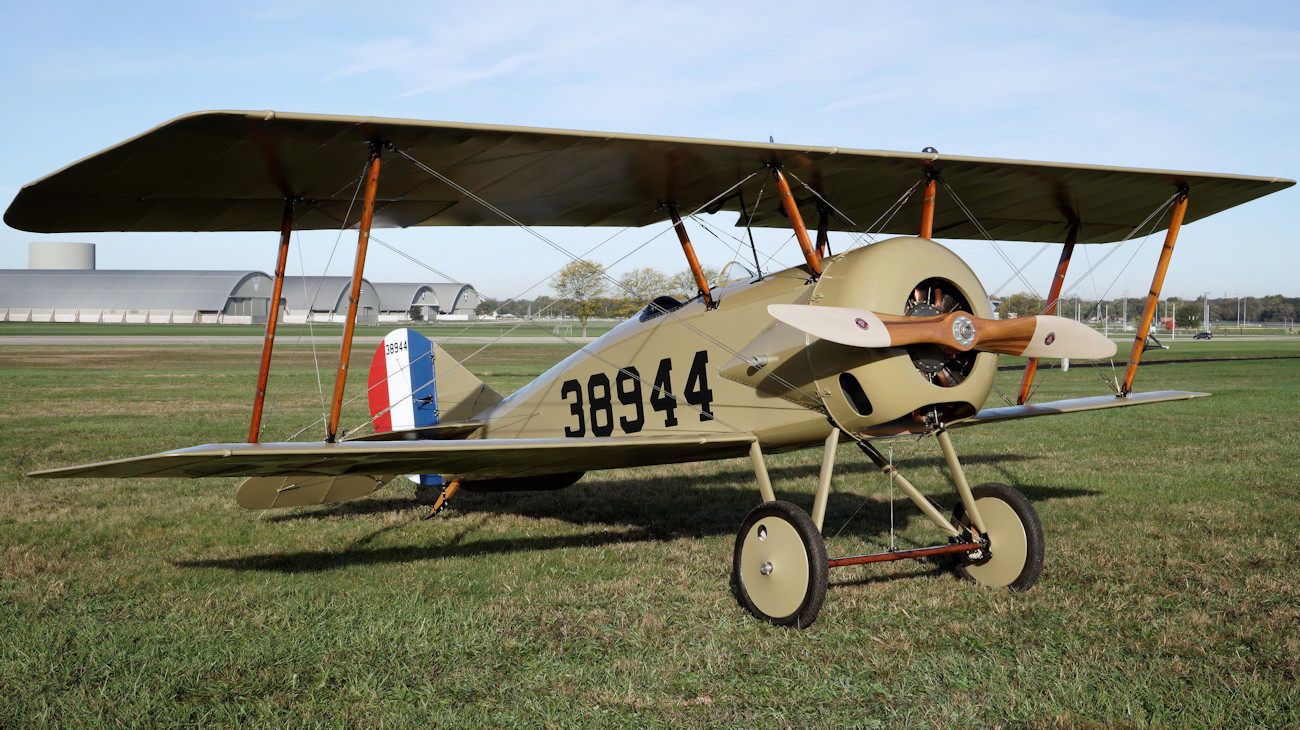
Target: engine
{"points": [[899, 390]]}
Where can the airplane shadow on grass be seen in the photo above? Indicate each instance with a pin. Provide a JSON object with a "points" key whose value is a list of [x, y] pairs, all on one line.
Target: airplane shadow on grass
{"points": [[627, 509]]}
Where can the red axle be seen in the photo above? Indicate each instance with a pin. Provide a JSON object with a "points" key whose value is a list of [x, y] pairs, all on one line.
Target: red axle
{"points": [[961, 547]]}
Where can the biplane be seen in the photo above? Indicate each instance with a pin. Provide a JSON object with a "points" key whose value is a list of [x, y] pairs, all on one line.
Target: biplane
{"points": [[877, 341]]}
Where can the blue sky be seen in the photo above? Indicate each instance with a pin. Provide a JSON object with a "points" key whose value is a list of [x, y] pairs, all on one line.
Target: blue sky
{"points": [[1201, 86]]}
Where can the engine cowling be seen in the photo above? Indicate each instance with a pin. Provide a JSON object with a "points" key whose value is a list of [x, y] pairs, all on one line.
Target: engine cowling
{"points": [[900, 389]]}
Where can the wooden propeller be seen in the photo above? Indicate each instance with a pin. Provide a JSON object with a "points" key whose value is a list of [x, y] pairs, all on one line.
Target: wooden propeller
{"points": [[1038, 336]]}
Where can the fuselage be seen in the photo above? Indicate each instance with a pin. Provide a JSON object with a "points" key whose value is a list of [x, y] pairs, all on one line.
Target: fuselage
{"points": [[734, 369]]}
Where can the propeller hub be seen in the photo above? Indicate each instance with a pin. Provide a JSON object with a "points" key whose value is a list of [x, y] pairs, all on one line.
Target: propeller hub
{"points": [[963, 330]]}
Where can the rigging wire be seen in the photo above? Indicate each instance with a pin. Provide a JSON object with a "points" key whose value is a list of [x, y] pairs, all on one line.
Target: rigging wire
{"points": [[961, 205], [882, 220], [1151, 220], [911, 449], [1016, 273]]}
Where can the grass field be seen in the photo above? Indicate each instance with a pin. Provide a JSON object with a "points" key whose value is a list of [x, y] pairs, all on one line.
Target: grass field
{"points": [[1168, 596]]}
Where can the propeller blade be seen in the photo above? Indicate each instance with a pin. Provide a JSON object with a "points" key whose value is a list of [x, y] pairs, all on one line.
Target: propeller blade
{"points": [[1038, 336], [847, 326]]}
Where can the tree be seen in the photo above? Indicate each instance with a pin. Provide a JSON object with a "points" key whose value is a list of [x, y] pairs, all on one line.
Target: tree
{"points": [[582, 283], [1024, 304], [683, 286], [639, 286]]}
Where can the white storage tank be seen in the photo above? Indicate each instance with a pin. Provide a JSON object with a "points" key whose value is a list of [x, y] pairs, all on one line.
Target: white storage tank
{"points": [[58, 255]]}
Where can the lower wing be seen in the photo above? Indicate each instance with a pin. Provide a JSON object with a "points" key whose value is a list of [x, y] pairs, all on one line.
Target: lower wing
{"points": [[483, 458], [1076, 405]]}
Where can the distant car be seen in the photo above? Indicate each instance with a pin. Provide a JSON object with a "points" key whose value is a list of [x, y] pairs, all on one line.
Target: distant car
{"points": [[1203, 336]]}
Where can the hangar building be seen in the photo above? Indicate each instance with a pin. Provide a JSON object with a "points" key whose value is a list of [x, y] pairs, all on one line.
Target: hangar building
{"points": [[134, 296], [62, 285]]}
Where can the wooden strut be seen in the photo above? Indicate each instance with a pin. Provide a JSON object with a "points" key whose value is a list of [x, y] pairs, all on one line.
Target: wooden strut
{"points": [[354, 298], [691, 260], [796, 220], [823, 231], [1053, 295], [1149, 311], [264, 370], [927, 206]]}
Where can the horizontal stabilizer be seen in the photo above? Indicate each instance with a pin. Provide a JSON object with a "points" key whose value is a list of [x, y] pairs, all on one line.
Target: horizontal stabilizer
{"points": [[446, 431], [270, 492]]}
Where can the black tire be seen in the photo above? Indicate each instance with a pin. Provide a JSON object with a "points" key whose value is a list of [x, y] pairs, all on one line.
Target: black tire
{"points": [[1011, 520], [779, 568]]}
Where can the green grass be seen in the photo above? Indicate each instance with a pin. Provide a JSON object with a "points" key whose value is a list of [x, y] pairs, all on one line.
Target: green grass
{"points": [[1167, 598]]}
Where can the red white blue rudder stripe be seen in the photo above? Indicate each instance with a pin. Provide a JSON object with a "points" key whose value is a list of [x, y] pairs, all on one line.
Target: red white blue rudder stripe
{"points": [[402, 390]]}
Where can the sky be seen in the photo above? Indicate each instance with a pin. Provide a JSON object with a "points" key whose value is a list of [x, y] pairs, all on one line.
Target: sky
{"points": [[1198, 86]]}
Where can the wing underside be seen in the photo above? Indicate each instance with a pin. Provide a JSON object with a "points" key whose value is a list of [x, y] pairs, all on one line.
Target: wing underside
{"points": [[234, 170]]}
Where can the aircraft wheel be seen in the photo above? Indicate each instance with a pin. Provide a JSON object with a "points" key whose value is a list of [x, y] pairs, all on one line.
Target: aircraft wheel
{"points": [[779, 568], [1014, 557]]}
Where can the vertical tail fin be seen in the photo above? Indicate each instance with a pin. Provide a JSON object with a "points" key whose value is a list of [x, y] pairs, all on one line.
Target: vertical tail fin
{"points": [[414, 383], [402, 389], [403, 392]]}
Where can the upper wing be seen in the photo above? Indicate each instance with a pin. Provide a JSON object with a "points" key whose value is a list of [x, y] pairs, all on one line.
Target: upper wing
{"points": [[484, 458], [233, 170]]}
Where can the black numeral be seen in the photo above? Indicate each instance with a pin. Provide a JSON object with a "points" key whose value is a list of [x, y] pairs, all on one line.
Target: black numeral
{"points": [[698, 392], [598, 408], [628, 384], [599, 396], [572, 386], [661, 398]]}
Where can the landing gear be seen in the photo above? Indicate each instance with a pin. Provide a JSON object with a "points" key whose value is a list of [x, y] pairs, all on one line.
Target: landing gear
{"points": [[779, 567], [1014, 556]]}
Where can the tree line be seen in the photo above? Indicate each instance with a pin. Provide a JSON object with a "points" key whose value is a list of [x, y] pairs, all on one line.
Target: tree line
{"points": [[584, 290], [1187, 312]]}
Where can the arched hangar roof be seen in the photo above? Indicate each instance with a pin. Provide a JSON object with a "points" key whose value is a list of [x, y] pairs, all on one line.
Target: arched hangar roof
{"points": [[205, 291], [324, 293], [454, 296], [400, 297]]}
